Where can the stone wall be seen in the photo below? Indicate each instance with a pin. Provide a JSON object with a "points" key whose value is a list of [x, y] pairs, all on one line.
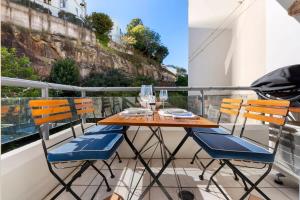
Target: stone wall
{"points": [[44, 48], [37, 21]]}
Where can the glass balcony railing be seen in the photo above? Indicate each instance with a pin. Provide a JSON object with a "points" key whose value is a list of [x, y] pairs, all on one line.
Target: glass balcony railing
{"points": [[18, 129]]}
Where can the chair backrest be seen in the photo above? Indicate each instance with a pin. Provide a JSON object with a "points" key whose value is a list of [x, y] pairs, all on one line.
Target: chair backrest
{"points": [[45, 111], [84, 106], [106, 105], [232, 108], [271, 111]]}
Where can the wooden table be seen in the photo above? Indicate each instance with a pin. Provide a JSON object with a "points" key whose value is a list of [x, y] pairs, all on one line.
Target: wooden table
{"points": [[157, 121]]}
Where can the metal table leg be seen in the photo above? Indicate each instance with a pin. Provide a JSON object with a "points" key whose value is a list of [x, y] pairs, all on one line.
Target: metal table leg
{"points": [[169, 160], [155, 178]]}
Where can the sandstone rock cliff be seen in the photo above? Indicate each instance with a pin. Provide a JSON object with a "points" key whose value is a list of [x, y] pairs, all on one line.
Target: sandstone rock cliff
{"points": [[44, 48]]}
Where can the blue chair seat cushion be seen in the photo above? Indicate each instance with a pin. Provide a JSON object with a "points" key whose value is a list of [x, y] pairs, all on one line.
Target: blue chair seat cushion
{"points": [[103, 129], [87, 147], [220, 146], [210, 130]]}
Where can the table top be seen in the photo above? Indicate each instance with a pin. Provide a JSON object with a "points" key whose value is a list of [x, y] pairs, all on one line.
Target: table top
{"points": [[157, 120]]}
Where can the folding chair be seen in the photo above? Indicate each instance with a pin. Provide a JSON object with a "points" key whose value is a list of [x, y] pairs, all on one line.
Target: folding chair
{"points": [[229, 107], [83, 150], [225, 148], [85, 106]]}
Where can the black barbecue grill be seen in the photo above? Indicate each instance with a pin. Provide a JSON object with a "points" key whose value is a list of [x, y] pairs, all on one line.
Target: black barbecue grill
{"points": [[283, 83]]}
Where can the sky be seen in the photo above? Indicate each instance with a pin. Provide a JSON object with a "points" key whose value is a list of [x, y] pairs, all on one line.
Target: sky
{"points": [[167, 17]]}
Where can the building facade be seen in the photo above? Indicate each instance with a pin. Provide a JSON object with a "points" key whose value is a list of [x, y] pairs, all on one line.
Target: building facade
{"points": [[76, 7]]}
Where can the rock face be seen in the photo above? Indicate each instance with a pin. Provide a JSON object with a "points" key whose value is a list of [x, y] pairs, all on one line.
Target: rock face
{"points": [[43, 49]]}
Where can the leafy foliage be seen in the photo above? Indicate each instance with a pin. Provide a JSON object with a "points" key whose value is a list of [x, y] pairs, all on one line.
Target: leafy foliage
{"points": [[182, 80], [65, 71], [145, 40], [110, 78], [102, 25], [15, 66], [143, 80]]}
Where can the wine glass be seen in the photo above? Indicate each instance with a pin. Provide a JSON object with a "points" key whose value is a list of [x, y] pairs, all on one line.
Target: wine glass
{"points": [[146, 93], [163, 96]]}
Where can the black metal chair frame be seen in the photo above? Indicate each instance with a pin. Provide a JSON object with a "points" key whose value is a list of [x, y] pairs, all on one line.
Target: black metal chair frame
{"points": [[201, 176], [83, 131], [84, 164], [245, 179]]}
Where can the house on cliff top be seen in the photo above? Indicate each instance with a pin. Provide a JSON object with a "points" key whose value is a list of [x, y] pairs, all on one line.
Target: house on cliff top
{"points": [[75, 7]]}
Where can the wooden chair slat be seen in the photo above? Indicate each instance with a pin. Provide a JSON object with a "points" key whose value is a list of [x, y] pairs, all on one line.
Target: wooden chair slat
{"points": [[230, 112], [279, 103], [80, 112], [294, 109], [232, 106], [80, 106], [53, 118], [227, 100], [273, 111], [83, 100], [50, 103], [274, 120], [53, 110]]}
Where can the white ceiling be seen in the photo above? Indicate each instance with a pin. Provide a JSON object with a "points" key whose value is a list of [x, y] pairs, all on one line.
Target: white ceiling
{"points": [[209, 13]]}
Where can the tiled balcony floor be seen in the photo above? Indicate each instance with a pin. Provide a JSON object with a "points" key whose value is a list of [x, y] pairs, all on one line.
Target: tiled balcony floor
{"points": [[86, 185]]}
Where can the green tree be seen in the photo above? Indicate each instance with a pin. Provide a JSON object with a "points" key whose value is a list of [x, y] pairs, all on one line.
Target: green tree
{"points": [[143, 80], [110, 78], [161, 53], [145, 40], [102, 24], [182, 80], [15, 66], [133, 23], [65, 71]]}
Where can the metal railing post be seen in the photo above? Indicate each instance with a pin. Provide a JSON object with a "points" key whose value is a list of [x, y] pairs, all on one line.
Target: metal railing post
{"points": [[202, 103], [45, 92], [45, 127], [83, 94]]}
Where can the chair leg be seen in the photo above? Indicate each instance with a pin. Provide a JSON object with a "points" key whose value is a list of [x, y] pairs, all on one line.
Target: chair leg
{"points": [[204, 169], [253, 185], [104, 178], [108, 166], [119, 158], [67, 186], [195, 156], [212, 176]]}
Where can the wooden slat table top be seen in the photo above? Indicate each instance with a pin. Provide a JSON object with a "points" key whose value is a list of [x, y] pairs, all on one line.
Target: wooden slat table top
{"points": [[157, 120]]}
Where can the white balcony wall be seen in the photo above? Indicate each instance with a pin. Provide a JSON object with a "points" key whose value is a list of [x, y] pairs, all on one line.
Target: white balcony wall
{"points": [[247, 55], [282, 36], [263, 37]]}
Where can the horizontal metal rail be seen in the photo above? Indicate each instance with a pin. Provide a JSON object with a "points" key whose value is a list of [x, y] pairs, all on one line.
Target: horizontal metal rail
{"points": [[6, 81]]}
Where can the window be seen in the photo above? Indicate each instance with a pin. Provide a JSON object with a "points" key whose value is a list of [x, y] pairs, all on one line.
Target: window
{"points": [[47, 2], [62, 3]]}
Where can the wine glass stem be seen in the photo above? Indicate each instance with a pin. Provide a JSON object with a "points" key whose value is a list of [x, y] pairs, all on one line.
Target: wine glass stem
{"points": [[163, 104]]}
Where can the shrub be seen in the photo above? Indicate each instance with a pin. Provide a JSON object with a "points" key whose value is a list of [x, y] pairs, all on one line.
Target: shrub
{"points": [[15, 66], [102, 25], [65, 71]]}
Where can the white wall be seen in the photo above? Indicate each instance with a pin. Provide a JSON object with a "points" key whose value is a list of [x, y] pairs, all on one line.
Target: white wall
{"points": [[283, 36], [209, 67], [248, 44], [263, 38]]}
